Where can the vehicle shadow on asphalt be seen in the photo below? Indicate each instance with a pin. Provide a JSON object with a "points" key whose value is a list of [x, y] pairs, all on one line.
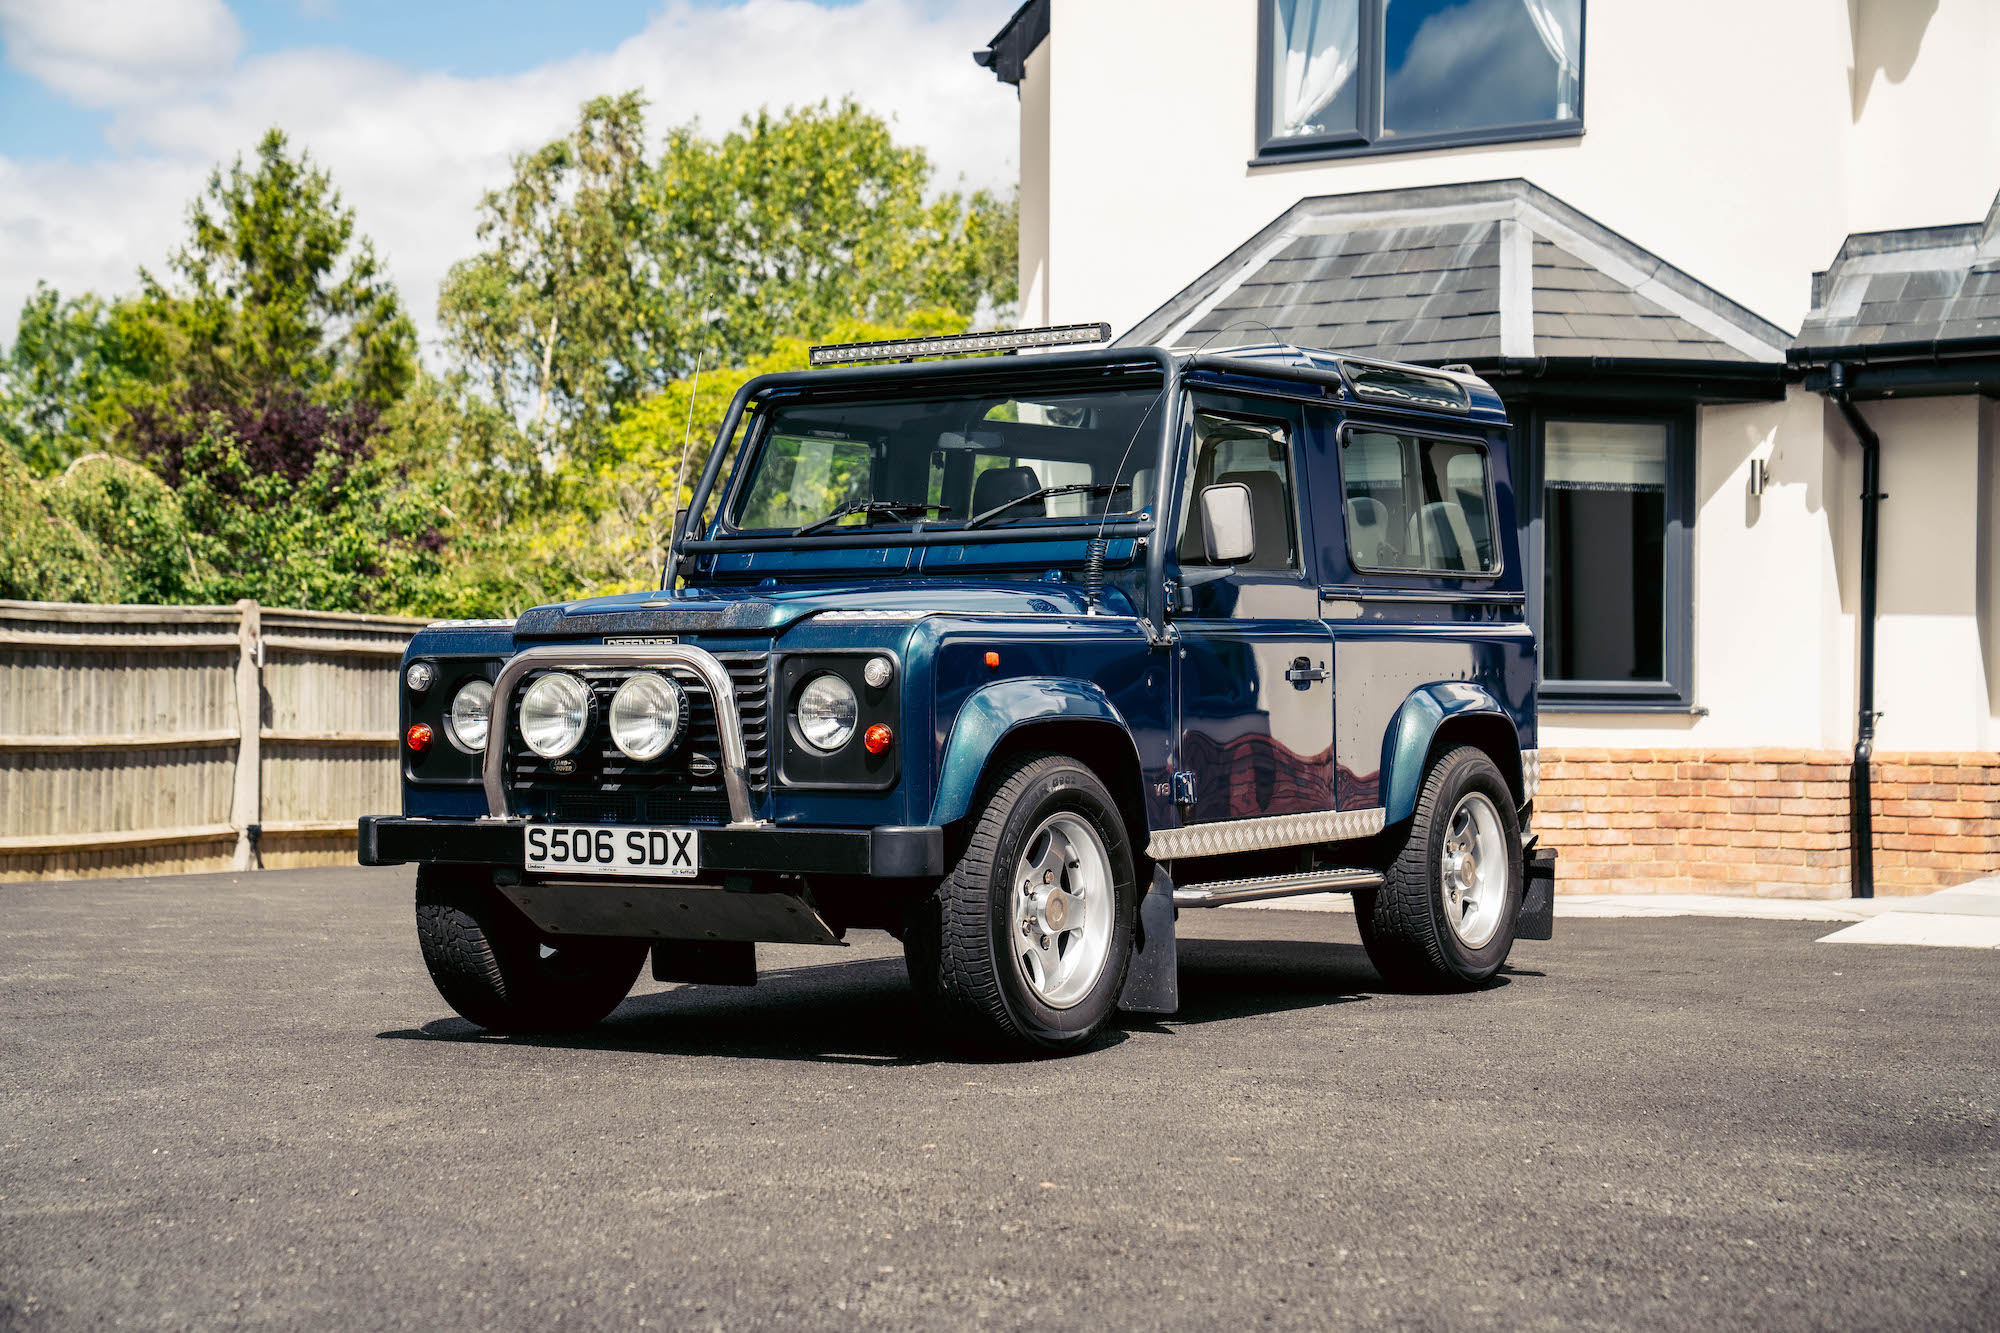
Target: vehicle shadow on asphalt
{"points": [[864, 1012]]}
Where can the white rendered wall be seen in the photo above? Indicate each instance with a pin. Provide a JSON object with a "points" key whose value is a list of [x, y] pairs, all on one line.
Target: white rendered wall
{"points": [[1930, 679], [1720, 135], [1034, 233]]}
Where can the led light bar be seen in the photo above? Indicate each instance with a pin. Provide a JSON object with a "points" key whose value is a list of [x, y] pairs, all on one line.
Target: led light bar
{"points": [[1000, 340]]}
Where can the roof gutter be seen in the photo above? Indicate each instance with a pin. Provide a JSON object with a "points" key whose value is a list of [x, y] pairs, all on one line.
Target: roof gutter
{"points": [[1910, 369], [1861, 819]]}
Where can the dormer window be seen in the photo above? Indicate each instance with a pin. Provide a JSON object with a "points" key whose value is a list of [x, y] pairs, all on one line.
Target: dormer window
{"points": [[1343, 77]]}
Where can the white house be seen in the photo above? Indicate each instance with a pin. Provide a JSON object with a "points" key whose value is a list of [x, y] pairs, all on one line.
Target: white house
{"points": [[1674, 238]]}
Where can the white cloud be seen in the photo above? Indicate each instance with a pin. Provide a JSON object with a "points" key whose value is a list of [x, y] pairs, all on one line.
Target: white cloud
{"points": [[412, 151], [116, 52]]}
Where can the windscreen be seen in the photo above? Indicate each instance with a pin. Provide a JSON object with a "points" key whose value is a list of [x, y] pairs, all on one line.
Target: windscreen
{"points": [[988, 461]]}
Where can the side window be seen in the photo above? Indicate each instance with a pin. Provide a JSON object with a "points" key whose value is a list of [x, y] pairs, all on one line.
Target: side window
{"points": [[1417, 504], [1251, 453]]}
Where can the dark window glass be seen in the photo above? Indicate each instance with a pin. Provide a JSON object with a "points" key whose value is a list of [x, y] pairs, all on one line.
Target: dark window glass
{"points": [[1416, 504], [1351, 75], [1451, 65], [1255, 455], [966, 453], [1604, 514]]}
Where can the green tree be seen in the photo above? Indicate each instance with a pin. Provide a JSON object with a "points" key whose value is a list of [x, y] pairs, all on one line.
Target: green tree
{"points": [[553, 315], [275, 287], [72, 365], [790, 224], [604, 277]]}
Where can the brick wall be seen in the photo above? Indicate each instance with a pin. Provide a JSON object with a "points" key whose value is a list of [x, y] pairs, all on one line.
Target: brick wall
{"points": [[1768, 822]]}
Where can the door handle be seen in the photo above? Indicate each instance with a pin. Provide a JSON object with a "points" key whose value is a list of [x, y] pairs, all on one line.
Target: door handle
{"points": [[1304, 673]]}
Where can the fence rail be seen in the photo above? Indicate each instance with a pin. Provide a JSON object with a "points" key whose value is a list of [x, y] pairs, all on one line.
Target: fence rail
{"points": [[139, 740]]}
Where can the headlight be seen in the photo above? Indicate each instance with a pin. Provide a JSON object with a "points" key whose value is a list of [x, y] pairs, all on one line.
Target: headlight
{"points": [[827, 712], [470, 716], [646, 716], [554, 713]]}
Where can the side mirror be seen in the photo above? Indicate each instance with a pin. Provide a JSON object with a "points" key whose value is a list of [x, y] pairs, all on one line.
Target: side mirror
{"points": [[1227, 530]]}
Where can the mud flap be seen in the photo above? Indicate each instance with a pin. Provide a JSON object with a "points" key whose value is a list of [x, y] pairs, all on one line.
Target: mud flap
{"points": [[1537, 918], [1152, 982]]}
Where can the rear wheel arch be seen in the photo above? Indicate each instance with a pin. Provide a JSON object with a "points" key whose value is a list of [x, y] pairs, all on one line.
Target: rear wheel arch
{"points": [[1434, 721], [1492, 732]]}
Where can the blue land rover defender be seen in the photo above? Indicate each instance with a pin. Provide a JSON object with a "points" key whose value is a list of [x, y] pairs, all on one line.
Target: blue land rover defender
{"points": [[1014, 657]]}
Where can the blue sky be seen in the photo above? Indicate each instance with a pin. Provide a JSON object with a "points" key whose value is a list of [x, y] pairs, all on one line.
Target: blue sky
{"points": [[113, 111]]}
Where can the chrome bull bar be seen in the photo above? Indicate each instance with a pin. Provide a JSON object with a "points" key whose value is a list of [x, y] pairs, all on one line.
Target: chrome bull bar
{"points": [[600, 656]]}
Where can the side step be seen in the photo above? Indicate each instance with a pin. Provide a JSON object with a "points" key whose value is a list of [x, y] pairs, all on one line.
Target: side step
{"points": [[1224, 892]]}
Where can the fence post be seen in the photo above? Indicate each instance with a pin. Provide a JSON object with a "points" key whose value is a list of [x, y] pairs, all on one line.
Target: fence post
{"points": [[246, 808]]}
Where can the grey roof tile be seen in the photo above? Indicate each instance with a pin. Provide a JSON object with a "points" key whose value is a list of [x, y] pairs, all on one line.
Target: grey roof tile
{"points": [[1432, 289]]}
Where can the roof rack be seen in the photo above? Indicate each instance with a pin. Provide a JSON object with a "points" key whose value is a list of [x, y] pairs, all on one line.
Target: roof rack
{"points": [[961, 344]]}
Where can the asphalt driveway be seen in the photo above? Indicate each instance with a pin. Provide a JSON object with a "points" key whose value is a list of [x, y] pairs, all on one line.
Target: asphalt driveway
{"points": [[237, 1101]]}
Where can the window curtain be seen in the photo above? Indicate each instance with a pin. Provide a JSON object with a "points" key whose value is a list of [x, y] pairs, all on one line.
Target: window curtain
{"points": [[1558, 23], [1322, 52], [1604, 456]]}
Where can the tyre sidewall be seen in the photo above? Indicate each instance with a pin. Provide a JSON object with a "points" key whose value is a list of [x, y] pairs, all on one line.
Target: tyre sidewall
{"points": [[1466, 772], [1074, 789]]}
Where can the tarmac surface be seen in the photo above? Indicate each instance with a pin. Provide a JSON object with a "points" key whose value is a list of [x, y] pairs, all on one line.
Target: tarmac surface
{"points": [[232, 1101]]}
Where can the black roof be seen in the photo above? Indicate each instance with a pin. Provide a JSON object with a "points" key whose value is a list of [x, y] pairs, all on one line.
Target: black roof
{"points": [[1007, 54]]}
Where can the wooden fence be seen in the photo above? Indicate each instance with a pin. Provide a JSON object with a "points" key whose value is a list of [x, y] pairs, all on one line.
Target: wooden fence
{"points": [[141, 740]]}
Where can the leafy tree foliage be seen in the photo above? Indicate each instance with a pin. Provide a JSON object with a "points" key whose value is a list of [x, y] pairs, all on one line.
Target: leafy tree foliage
{"points": [[275, 287], [605, 276], [63, 382], [255, 423], [552, 315]]}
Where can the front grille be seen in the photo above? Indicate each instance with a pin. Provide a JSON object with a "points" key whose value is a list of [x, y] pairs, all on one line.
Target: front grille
{"points": [[607, 788]]}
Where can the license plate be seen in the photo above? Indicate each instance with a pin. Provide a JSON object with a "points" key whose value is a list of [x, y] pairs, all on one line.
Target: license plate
{"points": [[593, 849]]}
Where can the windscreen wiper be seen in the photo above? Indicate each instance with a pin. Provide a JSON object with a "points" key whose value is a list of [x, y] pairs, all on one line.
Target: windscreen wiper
{"points": [[1044, 492], [884, 508]]}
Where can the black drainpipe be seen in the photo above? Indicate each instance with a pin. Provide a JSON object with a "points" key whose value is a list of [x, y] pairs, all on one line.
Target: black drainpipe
{"points": [[1861, 789]]}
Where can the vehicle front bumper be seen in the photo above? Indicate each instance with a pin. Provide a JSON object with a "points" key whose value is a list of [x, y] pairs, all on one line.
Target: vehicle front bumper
{"points": [[882, 853]]}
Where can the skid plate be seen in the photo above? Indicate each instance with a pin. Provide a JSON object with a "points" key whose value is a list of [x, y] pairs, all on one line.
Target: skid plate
{"points": [[670, 912]]}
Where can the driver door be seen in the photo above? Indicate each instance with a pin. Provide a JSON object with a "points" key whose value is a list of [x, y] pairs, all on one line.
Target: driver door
{"points": [[1255, 685]]}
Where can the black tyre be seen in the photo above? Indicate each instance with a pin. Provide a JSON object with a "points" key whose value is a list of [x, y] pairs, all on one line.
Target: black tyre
{"points": [[496, 969], [1444, 916], [1024, 945]]}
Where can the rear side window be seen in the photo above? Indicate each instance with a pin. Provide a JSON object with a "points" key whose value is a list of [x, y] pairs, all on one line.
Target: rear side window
{"points": [[1417, 504]]}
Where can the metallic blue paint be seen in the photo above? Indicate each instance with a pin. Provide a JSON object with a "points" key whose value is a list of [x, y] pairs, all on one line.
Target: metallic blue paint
{"points": [[1416, 724], [993, 710]]}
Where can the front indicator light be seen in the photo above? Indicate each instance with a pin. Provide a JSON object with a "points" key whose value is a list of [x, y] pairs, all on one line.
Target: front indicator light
{"points": [[420, 677], [827, 711], [877, 672], [555, 712], [878, 738], [418, 737]]}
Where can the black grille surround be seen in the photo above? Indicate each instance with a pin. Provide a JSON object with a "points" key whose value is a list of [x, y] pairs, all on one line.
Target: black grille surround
{"points": [[604, 787]]}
